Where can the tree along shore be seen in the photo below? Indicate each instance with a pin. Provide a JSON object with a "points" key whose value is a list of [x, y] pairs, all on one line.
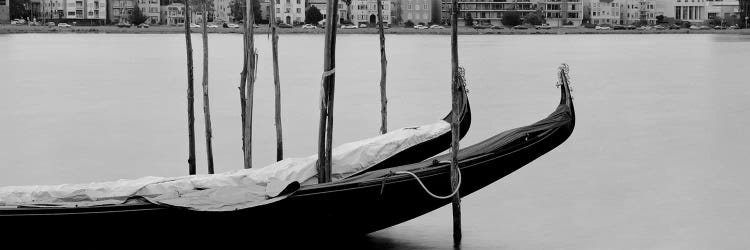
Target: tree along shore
{"points": [[263, 29]]}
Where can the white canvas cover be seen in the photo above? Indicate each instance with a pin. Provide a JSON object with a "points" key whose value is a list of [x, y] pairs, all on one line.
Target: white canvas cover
{"points": [[230, 190]]}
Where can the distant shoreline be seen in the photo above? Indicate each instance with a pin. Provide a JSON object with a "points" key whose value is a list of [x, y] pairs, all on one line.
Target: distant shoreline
{"points": [[20, 29]]}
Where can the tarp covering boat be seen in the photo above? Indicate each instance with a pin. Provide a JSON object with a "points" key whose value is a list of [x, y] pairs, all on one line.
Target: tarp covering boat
{"points": [[231, 190]]}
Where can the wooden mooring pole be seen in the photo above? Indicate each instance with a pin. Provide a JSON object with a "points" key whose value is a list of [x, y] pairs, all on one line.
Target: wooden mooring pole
{"points": [[242, 87], [455, 125], [251, 70], [383, 66], [276, 83], [206, 108], [190, 93], [325, 131]]}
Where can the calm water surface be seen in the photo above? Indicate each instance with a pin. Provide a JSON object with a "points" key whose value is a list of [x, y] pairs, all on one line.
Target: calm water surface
{"points": [[658, 158]]}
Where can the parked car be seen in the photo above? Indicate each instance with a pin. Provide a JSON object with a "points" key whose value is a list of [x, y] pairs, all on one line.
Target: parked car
{"points": [[674, 27], [211, 25], [64, 25], [418, 26], [659, 27], [233, 26], [544, 26], [348, 26], [51, 24], [644, 28], [284, 26], [520, 27], [618, 27], [481, 26], [497, 27], [732, 27], [435, 26], [630, 27], [143, 26], [309, 26], [194, 25], [363, 25], [602, 27]]}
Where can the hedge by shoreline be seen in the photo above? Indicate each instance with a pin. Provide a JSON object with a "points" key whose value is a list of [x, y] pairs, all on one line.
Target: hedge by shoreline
{"points": [[15, 29]]}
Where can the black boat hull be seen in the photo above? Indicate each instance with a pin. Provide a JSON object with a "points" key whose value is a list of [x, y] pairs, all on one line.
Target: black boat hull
{"points": [[366, 203]]}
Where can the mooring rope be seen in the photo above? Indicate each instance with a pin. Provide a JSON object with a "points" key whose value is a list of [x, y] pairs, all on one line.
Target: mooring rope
{"points": [[322, 82], [428, 191]]}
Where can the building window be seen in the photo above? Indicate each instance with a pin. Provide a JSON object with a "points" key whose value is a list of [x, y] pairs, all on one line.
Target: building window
{"points": [[298, 2], [299, 10], [278, 10]]}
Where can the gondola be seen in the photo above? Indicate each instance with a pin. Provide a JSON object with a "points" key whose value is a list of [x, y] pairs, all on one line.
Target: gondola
{"points": [[357, 205]]}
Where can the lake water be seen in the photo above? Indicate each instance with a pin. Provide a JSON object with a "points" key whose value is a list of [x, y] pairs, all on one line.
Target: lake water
{"points": [[658, 159]]}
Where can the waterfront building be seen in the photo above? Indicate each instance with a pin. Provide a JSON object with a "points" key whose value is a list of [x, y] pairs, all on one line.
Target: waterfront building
{"points": [[322, 5], [366, 12], [723, 9], [694, 11], [623, 12], [417, 11], [484, 11], [562, 12], [290, 11], [151, 9], [222, 11], [81, 11], [4, 11], [265, 11], [120, 10], [173, 14]]}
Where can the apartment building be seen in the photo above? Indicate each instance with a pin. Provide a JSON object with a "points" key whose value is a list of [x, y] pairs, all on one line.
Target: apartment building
{"points": [[417, 11], [151, 9], [173, 14], [75, 10], [623, 11], [322, 5], [4, 11], [366, 12], [290, 11], [120, 10], [723, 9], [562, 12], [485, 11], [222, 11]]}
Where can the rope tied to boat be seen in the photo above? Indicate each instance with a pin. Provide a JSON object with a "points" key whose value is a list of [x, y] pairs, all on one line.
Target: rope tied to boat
{"points": [[419, 180]]}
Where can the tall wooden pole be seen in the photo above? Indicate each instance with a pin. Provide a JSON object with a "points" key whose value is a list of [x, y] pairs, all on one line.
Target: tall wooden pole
{"points": [[190, 94], [206, 109], [251, 57], [383, 66], [276, 82], [242, 87], [455, 125], [325, 132]]}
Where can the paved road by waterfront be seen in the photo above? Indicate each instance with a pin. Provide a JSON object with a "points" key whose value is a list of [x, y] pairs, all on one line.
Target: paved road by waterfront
{"points": [[10, 29]]}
